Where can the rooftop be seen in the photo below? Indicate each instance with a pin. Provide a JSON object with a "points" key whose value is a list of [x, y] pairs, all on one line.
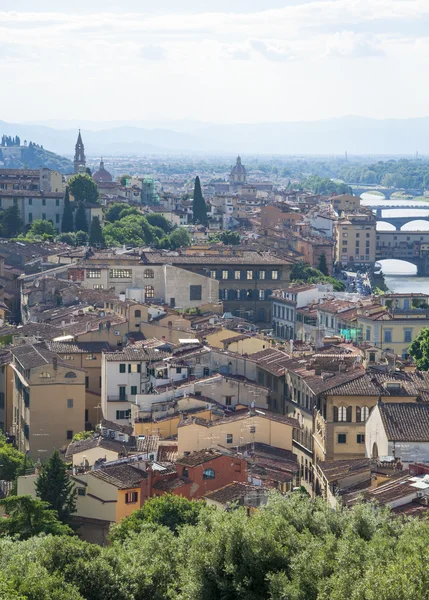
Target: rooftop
{"points": [[405, 422], [123, 476], [96, 441], [198, 458], [234, 492], [131, 353]]}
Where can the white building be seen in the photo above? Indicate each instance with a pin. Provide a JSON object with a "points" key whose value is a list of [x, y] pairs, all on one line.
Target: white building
{"points": [[398, 430]]}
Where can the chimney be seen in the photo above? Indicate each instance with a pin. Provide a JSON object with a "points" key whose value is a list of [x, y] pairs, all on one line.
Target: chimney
{"points": [[55, 362]]}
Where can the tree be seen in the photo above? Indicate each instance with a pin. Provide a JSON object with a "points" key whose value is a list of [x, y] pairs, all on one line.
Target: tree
{"points": [[83, 188], [27, 516], [123, 179], [67, 238], [80, 220], [96, 233], [159, 221], [67, 224], [167, 510], [229, 238], [81, 238], [11, 460], [115, 211], [179, 238], [88, 171], [41, 227], [82, 435], [419, 350], [55, 487], [10, 221], [199, 207], [322, 264]]}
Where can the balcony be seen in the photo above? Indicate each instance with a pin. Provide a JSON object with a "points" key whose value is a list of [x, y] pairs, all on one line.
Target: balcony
{"points": [[121, 398]]}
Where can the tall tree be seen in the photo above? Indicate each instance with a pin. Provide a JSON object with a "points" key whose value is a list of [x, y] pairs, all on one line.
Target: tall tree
{"points": [[322, 264], [419, 350], [83, 188], [199, 207], [67, 219], [80, 220], [55, 487], [96, 233], [11, 222]]}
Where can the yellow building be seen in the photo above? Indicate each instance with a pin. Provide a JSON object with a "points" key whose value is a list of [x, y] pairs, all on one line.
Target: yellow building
{"points": [[339, 424], [355, 236], [345, 203], [234, 342], [245, 427], [48, 400]]}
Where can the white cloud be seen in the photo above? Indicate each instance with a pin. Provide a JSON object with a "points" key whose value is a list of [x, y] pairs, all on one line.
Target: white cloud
{"points": [[350, 45], [153, 53], [271, 52]]}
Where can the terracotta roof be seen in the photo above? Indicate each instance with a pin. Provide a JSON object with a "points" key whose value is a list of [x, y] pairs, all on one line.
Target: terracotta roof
{"points": [[127, 429], [133, 353], [217, 260], [78, 347], [373, 383], [36, 355], [166, 485], [242, 415], [333, 470], [405, 421], [95, 442], [233, 492], [198, 458], [271, 360], [122, 476]]}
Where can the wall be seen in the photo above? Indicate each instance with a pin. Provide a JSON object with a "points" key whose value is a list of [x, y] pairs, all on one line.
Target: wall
{"points": [[100, 500], [397, 344], [123, 509], [93, 454]]}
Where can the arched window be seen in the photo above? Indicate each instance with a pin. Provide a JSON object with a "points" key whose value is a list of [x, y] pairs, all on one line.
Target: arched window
{"points": [[185, 472], [364, 413], [138, 313], [148, 274], [149, 292], [44, 375], [70, 375], [342, 414], [208, 474]]}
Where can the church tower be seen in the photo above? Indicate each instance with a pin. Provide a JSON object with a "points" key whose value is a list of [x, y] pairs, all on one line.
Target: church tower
{"points": [[79, 155]]}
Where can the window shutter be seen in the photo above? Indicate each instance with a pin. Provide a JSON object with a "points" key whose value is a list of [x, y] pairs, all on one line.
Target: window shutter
{"points": [[335, 414], [349, 414], [358, 414]]}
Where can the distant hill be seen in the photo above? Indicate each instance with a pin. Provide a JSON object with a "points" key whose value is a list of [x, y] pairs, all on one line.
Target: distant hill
{"points": [[356, 135], [32, 156]]}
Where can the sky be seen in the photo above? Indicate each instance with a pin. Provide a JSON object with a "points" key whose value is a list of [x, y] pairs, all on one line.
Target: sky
{"points": [[240, 61]]}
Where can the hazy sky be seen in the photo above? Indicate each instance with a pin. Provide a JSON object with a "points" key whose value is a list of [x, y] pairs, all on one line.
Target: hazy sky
{"points": [[221, 61]]}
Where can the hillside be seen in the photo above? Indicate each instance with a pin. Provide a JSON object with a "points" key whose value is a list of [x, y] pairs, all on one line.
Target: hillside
{"points": [[33, 157]]}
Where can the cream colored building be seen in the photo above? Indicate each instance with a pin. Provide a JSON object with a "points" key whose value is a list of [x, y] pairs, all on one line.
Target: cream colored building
{"points": [[345, 203], [48, 401], [355, 240], [242, 428]]}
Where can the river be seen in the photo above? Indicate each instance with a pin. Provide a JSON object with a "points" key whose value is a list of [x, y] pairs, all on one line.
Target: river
{"points": [[400, 276]]}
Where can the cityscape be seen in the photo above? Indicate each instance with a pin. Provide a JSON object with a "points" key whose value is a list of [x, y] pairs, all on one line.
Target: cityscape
{"points": [[214, 325]]}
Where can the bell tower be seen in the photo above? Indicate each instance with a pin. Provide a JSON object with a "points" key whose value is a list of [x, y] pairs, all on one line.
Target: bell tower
{"points": [[79, 155]]}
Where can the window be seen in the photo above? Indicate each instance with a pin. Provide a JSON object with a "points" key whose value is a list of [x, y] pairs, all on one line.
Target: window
{"points": [[1, 399], [364, 413], [30, 201], [44, 375], [148, 274], [131, 497], [249, 274], [185, 472], [69, 434], [212, 274], [15, 201], [57, 218], [81, 491], [228, 400], [70, 375], [43, 201], [195, 292], [133, 390], [408, 335], [70, 403], [86, 382], [137, 313], [93, 273], [342, 438], [122, 368], [208, 474], [261, 294], [229, 438], [44, 216], [368, 334], [224, 274], [274, 274], [120, 273], [388, 335], [261, 274], [122, 414], [360, 438], [98, 286], [237, 274], [30, 217], [342, 414], [252, 429], [122, 392], [57, 202], [149, 291]]}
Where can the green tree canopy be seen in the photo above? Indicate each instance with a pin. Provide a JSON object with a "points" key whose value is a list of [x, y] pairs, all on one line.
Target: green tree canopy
{"points": [[123, 179], [229, 238], [11, 460], [54, 486], [41, 227], [179, 238], [96, 233], [302, 272], [67, 223], [419, 350], [158, 220], [199, 207], [118, 211], [10, 221], [322, 264], [27, 516], [67, 238], [80, 220], [83, 188], [81, 238]]}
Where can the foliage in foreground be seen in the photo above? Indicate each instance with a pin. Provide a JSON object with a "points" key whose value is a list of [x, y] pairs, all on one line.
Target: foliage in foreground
{"points": [[302, 272], [292, 549], [419, 350]]}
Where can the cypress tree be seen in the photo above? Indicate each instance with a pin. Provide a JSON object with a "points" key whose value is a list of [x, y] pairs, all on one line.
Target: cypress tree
{"points": [[96, 233], [199, 207], [80, 221], [67, 218], [322, 264], [55, 487]]}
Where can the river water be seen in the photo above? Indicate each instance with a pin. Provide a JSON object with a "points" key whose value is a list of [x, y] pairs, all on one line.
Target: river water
{"points": [[400, 276]]}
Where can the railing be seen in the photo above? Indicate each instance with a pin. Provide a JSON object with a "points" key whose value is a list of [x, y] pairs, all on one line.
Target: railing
{"points": [[122, 398]]}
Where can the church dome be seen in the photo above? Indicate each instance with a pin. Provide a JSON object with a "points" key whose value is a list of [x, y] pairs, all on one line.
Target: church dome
{"points": [[102, 176], [238, 172]]}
